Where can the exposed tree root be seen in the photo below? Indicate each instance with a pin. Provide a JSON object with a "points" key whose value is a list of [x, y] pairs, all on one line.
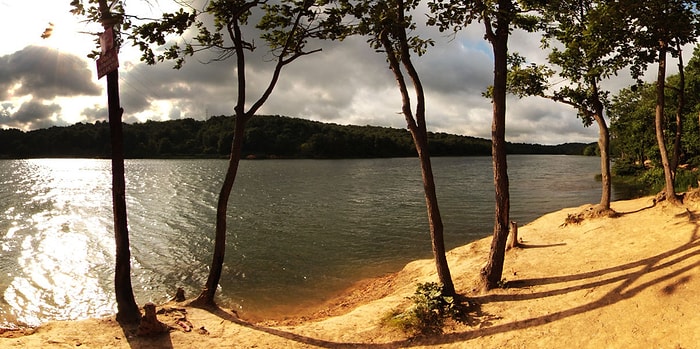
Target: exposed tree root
{"points": [[592, 212]]}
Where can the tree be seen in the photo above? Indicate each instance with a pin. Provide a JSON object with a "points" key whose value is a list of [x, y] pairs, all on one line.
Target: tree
{"points": [[590, 51], [386, 23], [659, 27], [127, 310], [286, 27], [498, 16], [631, 128]]}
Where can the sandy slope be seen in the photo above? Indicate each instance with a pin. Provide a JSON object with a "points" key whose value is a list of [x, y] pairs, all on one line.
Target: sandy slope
{"points": [[626, 282]]}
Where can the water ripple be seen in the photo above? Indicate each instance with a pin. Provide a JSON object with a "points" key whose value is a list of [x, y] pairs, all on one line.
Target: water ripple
{"points": [[297, 230]]}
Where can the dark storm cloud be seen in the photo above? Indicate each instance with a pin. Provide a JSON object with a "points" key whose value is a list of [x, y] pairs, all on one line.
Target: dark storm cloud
{"points": [[95, 113], [45, 73], [31, 114], [349, 83], [196, 84]]}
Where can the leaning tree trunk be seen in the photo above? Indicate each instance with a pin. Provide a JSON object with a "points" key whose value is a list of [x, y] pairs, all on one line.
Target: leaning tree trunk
{"points": [[206, 298], [669, 189], [493, 271], [418, 130], [434, 217]]}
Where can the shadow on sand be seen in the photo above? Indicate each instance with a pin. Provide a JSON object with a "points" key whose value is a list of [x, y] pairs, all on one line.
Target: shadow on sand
{"points": [[481, 323]]}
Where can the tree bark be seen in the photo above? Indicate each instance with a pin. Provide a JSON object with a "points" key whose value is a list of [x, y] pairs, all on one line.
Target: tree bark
{"points": [[604, 145], [659, 123], [675, 160], [418, 129], [434, 217], [492, 273], [127, 310], [206, 297]]}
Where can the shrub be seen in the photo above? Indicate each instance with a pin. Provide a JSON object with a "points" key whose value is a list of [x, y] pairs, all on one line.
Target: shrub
{"points": [[686, 179], [653, 178], [626, 167], [427, 314]]}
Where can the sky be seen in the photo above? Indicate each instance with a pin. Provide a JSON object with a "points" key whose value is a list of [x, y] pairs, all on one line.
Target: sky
{"points": [[47, 82]]}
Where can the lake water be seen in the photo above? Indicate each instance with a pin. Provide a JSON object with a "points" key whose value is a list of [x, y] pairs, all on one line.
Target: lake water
{"points": [[299, 230]]}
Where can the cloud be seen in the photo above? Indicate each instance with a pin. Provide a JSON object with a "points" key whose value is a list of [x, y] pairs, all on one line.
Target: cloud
{"points": [[44, 73], [95, 113], [31, 114], [346, 83]]}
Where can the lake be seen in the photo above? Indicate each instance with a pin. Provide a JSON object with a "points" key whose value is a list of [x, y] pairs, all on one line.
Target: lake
{"points": [[299, 230]]}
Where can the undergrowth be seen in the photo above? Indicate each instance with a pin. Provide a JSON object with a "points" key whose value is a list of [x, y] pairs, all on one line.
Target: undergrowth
{"points": [[428, 312]]}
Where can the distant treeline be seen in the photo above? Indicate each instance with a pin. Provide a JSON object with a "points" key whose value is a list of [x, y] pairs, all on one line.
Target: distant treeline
{"points": [[266, 137]]}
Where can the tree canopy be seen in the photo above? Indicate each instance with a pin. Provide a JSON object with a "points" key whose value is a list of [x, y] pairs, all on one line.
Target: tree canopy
{"points": [[267, 136]]}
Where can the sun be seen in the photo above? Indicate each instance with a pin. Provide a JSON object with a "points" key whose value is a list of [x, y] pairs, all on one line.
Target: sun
{"points": [[66, 35]]}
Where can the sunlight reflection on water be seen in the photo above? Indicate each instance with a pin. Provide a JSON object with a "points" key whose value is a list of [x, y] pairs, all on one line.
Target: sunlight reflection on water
{"points": [[54, 275], [298, 230]]}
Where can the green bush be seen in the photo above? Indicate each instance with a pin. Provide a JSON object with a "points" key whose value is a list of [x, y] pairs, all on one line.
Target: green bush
{"points": [[626, 167], [653, 179], [686, 179], [427, 314], [694, 162]]}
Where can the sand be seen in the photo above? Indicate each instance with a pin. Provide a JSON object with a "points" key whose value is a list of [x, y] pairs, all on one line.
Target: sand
{"points": [[625, 282]]}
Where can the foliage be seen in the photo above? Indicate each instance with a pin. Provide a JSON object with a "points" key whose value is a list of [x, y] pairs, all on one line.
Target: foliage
{"points": [[585, 50], [653, 178], [626, 167], [655, 25], [632, 123], [451, 15], [686, 179], [632, 119], [427, 314], [267, 136]]}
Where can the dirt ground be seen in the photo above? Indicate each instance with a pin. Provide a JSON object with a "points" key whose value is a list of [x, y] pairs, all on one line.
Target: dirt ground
{"points": [[625, 282]]}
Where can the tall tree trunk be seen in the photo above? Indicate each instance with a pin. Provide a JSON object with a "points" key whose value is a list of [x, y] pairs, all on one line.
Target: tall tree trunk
{"points": [[418, 129], [659, 123], [493, 271], [604, 145], [127, 310], [434, 217], [206, 297], [675, 160]]}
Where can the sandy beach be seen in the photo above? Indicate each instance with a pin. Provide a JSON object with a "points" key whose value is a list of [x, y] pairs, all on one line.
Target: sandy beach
{"points": [[625, 282]]}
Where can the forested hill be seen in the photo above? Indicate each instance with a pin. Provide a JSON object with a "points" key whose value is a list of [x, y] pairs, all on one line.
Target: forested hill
{"points": [[266, 137]]}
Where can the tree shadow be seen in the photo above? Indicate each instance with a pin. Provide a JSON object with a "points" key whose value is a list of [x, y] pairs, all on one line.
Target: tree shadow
{"points": [[632, 272], [619, 293], [160, 341], [528, 246], [620, 214], [297, 337]]}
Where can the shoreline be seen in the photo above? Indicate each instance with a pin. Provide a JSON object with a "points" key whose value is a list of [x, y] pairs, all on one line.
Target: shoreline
{"points": [[622, 282]]}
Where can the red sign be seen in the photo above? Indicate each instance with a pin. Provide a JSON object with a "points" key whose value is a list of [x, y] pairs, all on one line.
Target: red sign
{"points": [[107, 40], [107, 63]]}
